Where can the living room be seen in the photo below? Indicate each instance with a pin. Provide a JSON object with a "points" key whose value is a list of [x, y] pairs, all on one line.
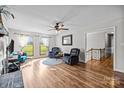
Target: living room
{"points": [[67, 46]]}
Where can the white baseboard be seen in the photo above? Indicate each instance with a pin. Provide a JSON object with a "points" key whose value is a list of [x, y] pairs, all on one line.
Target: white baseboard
{"points": [[119, 70], [82, 61]]}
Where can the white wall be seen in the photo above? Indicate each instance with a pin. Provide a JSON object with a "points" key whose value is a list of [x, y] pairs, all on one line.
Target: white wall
{"points": [[119, 66], [78, 42], [96, 40], [52, 42]]}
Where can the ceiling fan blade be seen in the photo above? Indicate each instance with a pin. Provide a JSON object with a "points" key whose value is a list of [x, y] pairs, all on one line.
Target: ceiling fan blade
{"points": [[51, 29], [63, 29], [58, 23]]}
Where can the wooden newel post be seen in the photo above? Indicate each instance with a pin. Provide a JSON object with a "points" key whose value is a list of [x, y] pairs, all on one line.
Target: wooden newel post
{"points": [[91, 53], [100, 54]]}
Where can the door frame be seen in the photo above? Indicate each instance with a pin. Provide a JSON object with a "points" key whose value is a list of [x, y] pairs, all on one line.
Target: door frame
{"points": [[40, 47]]}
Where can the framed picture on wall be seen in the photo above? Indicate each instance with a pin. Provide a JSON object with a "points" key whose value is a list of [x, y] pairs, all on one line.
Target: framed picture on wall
{"points": [[67, 40]]}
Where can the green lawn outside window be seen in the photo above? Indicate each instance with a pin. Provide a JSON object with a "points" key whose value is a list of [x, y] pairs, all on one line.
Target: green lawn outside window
{"points": [[43, 49], [29, 49]]}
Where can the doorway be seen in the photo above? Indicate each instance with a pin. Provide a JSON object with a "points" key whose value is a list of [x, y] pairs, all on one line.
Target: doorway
{"points": [[107, 40], [109, 44]]}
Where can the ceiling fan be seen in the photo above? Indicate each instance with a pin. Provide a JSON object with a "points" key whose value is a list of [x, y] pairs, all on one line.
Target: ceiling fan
{"points": [[59, 26]]}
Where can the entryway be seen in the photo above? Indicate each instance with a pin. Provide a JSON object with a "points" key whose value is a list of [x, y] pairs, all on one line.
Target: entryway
{"points": [[100, 46]]}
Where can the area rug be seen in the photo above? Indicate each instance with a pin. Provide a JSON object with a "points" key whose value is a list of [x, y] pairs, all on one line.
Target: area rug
{"points": [[52, 61], [11, 80]]}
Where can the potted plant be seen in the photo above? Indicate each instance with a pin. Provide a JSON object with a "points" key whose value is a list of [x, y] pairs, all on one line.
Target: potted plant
{"points": [[4, 10]]}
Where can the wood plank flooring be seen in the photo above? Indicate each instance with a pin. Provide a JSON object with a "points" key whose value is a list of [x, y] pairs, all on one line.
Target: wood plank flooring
{"points": [[94, 74]]}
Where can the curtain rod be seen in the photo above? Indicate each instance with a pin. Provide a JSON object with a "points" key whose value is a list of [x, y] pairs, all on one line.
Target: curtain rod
{"points": [[31, 35]]}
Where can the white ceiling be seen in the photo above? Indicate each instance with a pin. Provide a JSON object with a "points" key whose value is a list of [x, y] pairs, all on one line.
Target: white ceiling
{"points": [[37, 18]]}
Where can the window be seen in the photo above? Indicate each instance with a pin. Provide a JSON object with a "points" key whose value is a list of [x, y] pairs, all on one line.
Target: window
{"points": [[26, 43], [44, 46]]}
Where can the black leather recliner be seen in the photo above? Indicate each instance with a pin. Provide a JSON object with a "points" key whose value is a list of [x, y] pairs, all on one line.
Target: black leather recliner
{"points": [[73, 57]]}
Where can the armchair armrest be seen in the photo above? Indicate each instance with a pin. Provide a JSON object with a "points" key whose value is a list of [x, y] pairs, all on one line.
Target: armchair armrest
{"points": [[73, 56], [66, 54]]}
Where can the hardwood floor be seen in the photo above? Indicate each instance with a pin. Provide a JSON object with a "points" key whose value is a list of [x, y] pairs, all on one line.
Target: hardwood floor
{"points": [[93, 74]]}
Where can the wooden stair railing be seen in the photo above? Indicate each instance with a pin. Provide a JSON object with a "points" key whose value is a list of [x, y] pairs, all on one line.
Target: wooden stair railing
{"points": [[100, 51]]}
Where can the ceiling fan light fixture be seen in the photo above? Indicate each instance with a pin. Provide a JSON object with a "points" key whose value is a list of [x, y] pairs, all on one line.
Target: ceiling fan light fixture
{"points": [[58, 27], [56, 32]]}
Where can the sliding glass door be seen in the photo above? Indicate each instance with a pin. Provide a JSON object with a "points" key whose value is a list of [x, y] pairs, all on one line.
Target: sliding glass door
{"points": [[44, 46], [26, 43]]}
